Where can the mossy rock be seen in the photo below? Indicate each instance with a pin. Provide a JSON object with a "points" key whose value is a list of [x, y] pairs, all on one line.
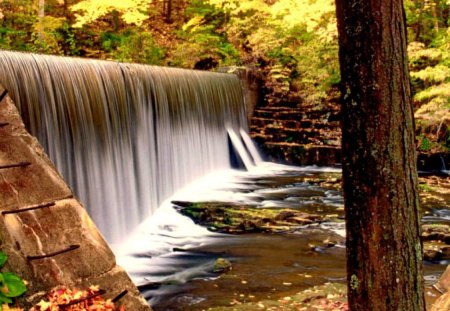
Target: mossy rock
{"points": [[221, 265], [232, 218]]}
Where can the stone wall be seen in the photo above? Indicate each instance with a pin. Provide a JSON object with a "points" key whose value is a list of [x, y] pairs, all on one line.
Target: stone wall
{"points": [[47, 234], [251, 87]]}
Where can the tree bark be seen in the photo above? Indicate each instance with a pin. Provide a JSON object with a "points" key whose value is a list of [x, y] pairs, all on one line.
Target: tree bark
{"points": [[169, 12], [384, 252]]}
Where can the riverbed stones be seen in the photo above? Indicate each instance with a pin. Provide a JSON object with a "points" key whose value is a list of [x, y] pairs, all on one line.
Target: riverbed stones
{"points": [[221, 265], [49, 237], [231, 218]]}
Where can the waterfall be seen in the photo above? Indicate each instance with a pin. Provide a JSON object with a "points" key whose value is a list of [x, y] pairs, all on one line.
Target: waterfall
{"points": [[124, 136]]}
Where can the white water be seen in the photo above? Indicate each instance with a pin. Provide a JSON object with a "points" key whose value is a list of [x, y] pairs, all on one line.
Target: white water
{"points": [[149, 254], [124, 136]]}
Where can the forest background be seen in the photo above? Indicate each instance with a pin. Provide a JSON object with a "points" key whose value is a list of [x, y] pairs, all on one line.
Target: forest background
{"points": [[290, 45]]}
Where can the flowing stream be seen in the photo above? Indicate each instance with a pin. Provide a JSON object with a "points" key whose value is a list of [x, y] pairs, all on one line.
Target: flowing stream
{"points": [[171, 259]]}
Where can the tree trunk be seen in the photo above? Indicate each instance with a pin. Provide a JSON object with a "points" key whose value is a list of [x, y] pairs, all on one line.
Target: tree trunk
{"points": [[41, 9], [40, 23], [418, 26], [435, 16], [169, 12], [384, 252]]}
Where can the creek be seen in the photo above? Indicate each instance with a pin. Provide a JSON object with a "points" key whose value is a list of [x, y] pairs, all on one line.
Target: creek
{"points": [[174, 265]]}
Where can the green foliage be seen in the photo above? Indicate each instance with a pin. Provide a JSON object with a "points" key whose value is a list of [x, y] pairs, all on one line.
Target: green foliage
{"points": [[430, 77], [426, 19], [426, 188], [17, 20], [202, 37], [293, 42], [433, 75], [430, 73], [10, 284], [46, 35], [439, 93], [132, 11], [69, 43], [425, 144], [131, 46]]}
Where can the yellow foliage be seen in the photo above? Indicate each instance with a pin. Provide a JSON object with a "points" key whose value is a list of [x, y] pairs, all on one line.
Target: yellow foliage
{"points": [[236, 7], [133, 11], [317, 15], [440, 91], [436, 74], [5, 307], [193, 23]]}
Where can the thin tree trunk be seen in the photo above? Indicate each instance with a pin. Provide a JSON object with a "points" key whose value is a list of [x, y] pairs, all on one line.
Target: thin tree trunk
{"points": [[41, 9], [418, 27], [65, 9], [384, 252], [40, 23], [435, 16], [169, 11]]}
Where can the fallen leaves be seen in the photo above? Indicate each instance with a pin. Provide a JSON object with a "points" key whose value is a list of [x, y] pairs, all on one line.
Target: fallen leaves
{"points": [[62, 298]]}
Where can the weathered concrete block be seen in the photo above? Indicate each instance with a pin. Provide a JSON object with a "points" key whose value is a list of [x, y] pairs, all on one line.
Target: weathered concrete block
{"points": [[10, 118], [55, 229], [115, 282], [28, 185]]}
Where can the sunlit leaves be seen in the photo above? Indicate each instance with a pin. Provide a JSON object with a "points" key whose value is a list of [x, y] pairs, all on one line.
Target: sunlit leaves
{"points": [[10, 285], [132, 11], [3, 259], [317, 15], [13, 285], [62, 298], [193, 23]]}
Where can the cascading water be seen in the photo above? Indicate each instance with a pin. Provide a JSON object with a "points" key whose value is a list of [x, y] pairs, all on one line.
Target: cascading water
{"points": [[124, 136]]}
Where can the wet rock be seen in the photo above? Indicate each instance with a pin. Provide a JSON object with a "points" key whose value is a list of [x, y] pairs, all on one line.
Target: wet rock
{"points": [[284, 215], [221, 265], [232, 218], [330, 242], [300, 220], [436, 238], [443, 284], [436, 232], [248, 226], [446, 252], [432, 253], [442, 304]]}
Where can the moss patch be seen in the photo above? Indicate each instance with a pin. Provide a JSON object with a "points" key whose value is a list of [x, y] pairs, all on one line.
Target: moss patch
{"points": [[232, 218]]}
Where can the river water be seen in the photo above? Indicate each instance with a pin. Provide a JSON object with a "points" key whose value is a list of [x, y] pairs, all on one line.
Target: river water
{"points": [[171, 259]]}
